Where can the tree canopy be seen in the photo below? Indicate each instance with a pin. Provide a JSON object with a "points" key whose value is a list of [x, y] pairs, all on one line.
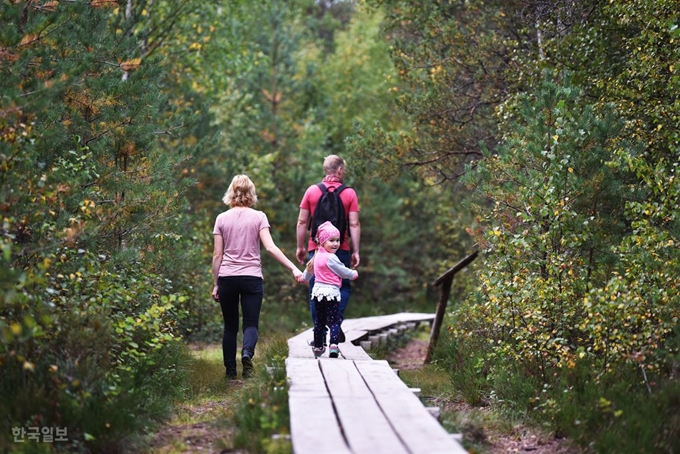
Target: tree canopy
{"points": [[544, 134]]}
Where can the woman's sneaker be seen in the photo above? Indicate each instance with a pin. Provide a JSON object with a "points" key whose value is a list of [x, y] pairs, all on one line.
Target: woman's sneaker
{"points": [[318, 351], [334, 351], [248, 368]]}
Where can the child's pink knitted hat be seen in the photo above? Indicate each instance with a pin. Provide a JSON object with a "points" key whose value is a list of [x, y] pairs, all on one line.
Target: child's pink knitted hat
{"points": [[326, 231]]}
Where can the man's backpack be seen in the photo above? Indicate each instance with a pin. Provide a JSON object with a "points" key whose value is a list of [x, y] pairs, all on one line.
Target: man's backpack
{"points": [[329, 208]]}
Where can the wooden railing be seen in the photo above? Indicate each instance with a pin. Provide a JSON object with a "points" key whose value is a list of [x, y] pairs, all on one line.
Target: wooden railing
{"points": [[445, 280]]}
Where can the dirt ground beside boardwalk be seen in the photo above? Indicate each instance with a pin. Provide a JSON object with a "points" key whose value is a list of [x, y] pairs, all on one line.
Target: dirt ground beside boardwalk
{"points": [[522, 440]]}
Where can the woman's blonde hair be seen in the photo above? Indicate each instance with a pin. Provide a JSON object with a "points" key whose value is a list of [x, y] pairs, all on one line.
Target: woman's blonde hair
{"points": [[241, 192]]}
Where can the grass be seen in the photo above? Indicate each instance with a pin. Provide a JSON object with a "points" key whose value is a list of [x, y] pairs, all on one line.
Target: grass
{"points": [[216, 414], [204, 414]]}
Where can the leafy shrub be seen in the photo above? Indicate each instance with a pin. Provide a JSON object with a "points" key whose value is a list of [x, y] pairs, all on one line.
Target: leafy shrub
{"points": [[88, 347], [583, 286]]}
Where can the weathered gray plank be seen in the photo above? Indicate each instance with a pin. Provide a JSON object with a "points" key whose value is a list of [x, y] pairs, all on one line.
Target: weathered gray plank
{"points": [[351, 351], [380, 322], [313, 426], [299, 349], [365, 426], [357, 328], [421, 433], [353, 334], [305, 377]]}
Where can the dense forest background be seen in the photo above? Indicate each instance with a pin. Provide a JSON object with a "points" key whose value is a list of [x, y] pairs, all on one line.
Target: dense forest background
{"points": [[545, 134]]}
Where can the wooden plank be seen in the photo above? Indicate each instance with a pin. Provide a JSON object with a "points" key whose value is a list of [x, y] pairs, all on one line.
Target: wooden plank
{"points": [[380, 378], [421, 433], [356, 405], [366, 428], [300, 350], [298, 346], [356, 328], [313, 426], [351, 351], [305, 377], [380, 322], [354, 334]]}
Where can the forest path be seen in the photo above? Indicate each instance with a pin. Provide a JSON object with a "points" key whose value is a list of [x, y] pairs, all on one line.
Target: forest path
{"points": [[354, 404]]}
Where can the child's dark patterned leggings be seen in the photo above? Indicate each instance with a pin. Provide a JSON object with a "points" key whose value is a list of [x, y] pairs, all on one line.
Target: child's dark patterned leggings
{"points": [[327, 314]]}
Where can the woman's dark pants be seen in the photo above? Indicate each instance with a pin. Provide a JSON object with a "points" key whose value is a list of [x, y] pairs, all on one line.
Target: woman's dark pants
{"points": [[248, 290]]}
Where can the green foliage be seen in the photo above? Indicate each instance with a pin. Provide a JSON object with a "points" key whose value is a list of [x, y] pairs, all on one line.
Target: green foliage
{"points": [[614, 415], [579, 196], [454, 63], [89, 349], [89, 198], [568, 292], [110, 114], [552, 226]]}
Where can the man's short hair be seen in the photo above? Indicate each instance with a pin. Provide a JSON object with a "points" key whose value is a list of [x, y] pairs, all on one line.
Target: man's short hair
{"points": [[332, 163]]}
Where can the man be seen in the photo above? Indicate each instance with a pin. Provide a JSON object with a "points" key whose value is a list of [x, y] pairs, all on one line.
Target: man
{"points": [[334, 170]]}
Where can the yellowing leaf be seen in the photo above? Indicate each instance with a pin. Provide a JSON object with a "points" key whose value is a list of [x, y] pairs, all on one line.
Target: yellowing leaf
{"points": [[103, 3], [50, 6], [131, 65], [28, 39], [4, 55], [15, 328]]}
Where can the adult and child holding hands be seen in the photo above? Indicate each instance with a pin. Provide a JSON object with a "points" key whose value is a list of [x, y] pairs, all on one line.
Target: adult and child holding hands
{"points": [[237, 268]]}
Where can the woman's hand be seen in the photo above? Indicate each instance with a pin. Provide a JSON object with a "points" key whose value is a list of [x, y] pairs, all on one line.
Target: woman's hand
{"points": [[298, 276], [215, 295]]}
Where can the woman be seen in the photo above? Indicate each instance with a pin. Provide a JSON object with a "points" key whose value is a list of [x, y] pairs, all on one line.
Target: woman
{"points": [[237, 270]]}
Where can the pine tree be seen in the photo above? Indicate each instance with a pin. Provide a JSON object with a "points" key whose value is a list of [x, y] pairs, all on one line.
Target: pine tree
{"points": [[87, 194]]}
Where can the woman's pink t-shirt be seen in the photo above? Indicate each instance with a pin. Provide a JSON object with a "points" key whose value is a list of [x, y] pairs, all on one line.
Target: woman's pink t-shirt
{"points": [[240, 229]]}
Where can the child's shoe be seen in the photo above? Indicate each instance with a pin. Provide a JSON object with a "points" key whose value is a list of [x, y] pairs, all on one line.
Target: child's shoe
{"points": [[318, 351], [334, 351]]}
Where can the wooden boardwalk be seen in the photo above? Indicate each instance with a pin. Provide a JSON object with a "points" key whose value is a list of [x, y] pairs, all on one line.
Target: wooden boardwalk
{"points": [[354, 404]]}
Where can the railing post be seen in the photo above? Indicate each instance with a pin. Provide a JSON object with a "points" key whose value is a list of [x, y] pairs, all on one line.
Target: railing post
{"points": [[446, 281]]}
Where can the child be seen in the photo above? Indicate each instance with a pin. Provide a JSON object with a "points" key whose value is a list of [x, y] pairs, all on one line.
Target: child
{"points": [[329, 272]]}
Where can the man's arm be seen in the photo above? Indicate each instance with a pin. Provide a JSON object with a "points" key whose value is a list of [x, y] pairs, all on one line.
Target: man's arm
{"points": [[355, 235], [301, 251]]}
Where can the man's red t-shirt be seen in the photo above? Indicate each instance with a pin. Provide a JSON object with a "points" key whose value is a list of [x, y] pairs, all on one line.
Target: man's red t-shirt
{"points": [[349, 201]]}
